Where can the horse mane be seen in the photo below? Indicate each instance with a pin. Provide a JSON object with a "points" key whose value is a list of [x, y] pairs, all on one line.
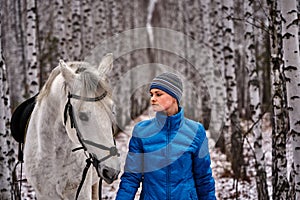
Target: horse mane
{"points": [[46, 88]]}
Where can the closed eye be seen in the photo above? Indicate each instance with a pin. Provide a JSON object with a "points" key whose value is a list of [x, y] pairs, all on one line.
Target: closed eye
{"points": [[156, 94]]}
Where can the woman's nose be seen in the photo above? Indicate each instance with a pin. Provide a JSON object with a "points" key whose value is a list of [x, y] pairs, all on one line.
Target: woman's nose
{"points": [[153, 98]]}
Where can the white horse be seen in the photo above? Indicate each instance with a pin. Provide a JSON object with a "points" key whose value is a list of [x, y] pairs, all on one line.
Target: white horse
{"points": [[73, 110]]}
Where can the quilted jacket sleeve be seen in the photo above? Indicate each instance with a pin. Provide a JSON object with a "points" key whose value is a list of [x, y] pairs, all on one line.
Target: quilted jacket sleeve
{"points": [[205, 183], [132, 176]]}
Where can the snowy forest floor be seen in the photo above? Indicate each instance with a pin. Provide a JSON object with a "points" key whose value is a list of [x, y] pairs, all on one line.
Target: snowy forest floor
{"points": [[221, 167]]}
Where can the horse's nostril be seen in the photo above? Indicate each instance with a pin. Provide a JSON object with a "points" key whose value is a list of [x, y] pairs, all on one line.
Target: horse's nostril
{"points": [[106, 173], [110, 174]]}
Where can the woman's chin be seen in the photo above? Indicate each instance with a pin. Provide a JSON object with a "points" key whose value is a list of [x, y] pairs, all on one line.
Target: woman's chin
{"points": [[156, 108]]}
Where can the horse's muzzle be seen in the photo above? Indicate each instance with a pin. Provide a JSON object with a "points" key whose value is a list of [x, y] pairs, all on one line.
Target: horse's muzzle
{"points": [[107, 173]]}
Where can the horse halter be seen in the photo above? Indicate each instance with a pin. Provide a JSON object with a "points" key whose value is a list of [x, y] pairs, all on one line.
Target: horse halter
{"points": [[92, 159], [69, 110]]}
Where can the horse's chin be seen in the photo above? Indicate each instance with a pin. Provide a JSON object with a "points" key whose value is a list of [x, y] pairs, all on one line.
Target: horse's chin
{"points": [[108, 181]]}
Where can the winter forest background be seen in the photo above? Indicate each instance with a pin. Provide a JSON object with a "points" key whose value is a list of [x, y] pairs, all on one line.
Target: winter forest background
{"points": [[239, 59]]}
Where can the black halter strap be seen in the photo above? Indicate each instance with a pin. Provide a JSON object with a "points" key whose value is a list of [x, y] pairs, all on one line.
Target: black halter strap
{"points": [[99, 98], [92, 159]]}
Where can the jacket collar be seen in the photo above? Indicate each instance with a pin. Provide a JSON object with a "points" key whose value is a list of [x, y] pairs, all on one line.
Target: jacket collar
{"points": [[173, 121]]}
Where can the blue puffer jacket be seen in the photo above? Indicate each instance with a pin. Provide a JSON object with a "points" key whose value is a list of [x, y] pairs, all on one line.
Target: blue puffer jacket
{"points": [[170, 156]]}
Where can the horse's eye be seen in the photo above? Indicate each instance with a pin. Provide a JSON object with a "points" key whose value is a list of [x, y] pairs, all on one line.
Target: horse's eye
{"points": [[83, 116]]}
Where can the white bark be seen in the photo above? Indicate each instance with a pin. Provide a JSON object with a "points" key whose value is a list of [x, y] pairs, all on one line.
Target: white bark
{"points": [[13, 43], [32, 73], [216, 57], [76, 30], [232, 100], [7, 145], [100, 21], [255, 104], [218, 60], [279, 134], [196, 106], [210, 70], [291, 59], [73, 30], [87, 27], [59, 28]]}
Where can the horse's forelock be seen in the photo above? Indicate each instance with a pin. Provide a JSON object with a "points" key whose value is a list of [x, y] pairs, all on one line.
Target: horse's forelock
{"points": [[89, 79]]}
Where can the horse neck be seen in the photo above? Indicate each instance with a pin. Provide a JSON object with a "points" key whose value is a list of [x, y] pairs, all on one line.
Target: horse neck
{"points": [[50, 112]]}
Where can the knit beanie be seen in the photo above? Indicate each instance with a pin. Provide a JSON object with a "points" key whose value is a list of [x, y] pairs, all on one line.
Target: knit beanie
{"points": [[169, 83]]}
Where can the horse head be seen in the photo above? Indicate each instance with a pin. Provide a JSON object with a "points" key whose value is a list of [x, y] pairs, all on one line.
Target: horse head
{"points": [[88, 115]]}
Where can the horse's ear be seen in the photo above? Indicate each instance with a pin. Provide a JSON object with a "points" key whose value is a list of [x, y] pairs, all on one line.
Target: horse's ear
{"points": [[66, 71], [106, 64]]}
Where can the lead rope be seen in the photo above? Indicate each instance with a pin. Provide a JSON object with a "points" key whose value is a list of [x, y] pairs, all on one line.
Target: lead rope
{"points": [[85, 170], [89, 161], [100, 188]]}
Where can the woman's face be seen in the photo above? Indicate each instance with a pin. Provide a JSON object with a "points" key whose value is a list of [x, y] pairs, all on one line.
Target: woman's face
{"points": [[162, 101]]}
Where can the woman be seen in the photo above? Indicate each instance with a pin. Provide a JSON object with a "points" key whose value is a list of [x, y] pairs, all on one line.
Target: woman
{"points": [[169, 153]]}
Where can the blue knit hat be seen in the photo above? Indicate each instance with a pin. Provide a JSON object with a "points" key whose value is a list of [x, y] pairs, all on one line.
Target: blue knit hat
{"points": [[169, 83]]}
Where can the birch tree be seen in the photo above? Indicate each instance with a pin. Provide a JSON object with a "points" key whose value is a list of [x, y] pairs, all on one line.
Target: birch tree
{"points": [[255, 105], [231, 84], [73, 18], [223, 142], [76, 30], [60, 28], [87, 30], [13, 44], [210, 69], [279, 157], [139, 100], [290, 41], [7, 153], [32, 73]]}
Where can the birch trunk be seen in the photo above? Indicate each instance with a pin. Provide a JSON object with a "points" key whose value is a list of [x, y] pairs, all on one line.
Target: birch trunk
{"points": [[99, 21], [290, 41], [279, 157], [7, 146], [209, 35], [142, 12], [60, 28], [76, 30], [218, 61], [32, 73], [14, 44], [255, 104], [73, 30], [7, 153], [232, 105], [87, 27], [199, 96]]}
